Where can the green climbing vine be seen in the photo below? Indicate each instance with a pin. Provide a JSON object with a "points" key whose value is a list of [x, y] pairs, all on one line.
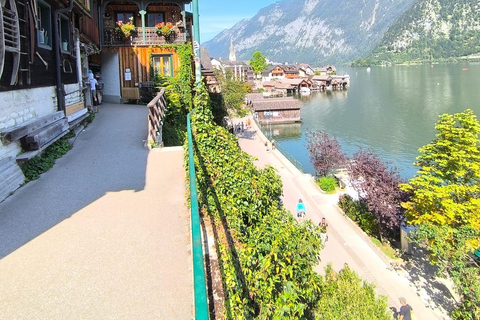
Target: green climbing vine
{"points": [[178, 91], [266, 257]]}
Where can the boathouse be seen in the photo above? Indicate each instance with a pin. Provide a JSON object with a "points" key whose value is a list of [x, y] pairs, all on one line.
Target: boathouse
{"points": [[276, 110]]}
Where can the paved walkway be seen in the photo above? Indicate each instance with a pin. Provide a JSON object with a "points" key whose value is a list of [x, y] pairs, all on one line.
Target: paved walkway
{"points": [[346, 244], [105, 234]]}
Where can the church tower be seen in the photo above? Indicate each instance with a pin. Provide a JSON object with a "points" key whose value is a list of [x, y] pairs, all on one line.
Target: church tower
{"points": [[232, 56]]}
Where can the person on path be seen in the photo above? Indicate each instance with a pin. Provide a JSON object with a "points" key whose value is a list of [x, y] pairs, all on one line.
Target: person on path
{"points": [[93, 89], [323, 225], [266, 146], [242, 126], [301, 210], [273, 144], [248, 123], [405, 310]]}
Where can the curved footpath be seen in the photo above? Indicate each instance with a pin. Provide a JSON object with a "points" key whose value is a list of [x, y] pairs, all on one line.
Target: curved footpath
{"points": [[105, 234], [346, 243]]}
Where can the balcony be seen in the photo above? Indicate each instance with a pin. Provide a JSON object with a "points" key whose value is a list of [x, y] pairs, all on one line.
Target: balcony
{"points": [[113, 39]]}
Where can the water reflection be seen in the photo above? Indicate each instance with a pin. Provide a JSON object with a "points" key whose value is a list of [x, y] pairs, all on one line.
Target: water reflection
{"points": [[282, 131], [390, 110]]}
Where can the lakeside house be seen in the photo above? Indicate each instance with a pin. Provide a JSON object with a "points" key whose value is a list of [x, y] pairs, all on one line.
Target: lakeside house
{"points": [[333, 82], [274, 110]]}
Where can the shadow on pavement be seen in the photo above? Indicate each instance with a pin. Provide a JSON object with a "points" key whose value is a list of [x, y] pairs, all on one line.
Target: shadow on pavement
{"points": [[108, 156], [430, 288]]}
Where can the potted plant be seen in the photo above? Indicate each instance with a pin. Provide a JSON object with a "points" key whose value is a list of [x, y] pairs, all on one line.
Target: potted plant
{"points": [[165, 29], [127, 29]]}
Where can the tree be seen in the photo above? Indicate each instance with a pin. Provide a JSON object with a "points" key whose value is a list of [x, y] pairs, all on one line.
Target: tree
{"points": [[325, 152], [345, 296], [379, 187], [258, 62], [445, 204], [233, 91]]}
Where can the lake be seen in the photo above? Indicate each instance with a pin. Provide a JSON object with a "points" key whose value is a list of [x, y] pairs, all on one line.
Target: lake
{"points": [[389, 110]]}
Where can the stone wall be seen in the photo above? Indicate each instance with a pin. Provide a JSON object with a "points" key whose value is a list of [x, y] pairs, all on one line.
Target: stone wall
{"points": [[18, 107]]}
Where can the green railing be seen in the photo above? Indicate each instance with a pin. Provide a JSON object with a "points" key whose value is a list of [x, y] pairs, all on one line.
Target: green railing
{"points": [[201, 306], [291, 158]]}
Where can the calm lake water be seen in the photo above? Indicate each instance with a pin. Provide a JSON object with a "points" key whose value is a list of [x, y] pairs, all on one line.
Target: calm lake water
{"points": [[391, 110]]}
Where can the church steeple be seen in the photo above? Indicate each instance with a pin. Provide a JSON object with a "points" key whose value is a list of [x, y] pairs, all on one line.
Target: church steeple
{"points": [[232, 56]]}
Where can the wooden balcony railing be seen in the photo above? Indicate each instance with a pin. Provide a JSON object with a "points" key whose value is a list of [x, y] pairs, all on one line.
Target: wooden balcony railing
{"points": [[112, 38]]}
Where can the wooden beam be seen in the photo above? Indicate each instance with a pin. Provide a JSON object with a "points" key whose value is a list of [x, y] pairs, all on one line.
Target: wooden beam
{"points": [[41, 137], [15, 133]]}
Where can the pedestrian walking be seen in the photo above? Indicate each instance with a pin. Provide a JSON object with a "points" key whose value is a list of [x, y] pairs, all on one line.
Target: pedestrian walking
{"points": [[301, 210], [266, 146], [249, 123], [406, 311], [323, 225], [273, 144], [93, 89]]}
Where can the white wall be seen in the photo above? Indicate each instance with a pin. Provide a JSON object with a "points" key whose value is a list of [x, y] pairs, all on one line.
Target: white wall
{"points": [[20, 106], [111, 77]]}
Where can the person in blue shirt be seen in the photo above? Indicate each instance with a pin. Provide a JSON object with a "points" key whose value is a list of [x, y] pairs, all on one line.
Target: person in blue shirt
{"points": [[301, 210]]}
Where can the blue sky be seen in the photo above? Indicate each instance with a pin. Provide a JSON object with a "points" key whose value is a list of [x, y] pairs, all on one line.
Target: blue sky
{"points": [[218, 15]]}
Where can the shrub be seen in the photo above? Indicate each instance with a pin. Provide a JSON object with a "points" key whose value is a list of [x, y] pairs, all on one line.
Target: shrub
{"points": [[328, 184], [358, 212], [33, 168]]}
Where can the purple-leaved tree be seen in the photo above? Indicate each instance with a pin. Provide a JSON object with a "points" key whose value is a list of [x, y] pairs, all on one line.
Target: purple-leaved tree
{"points": [[378, 186], [325, 152]]}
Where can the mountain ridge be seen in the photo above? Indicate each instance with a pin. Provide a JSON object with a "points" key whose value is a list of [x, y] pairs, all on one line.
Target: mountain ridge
{"points": [[313, 31], [430, 30]]}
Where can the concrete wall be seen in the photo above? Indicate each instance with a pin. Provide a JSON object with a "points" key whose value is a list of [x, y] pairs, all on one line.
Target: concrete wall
{"points": [[111, 77]]}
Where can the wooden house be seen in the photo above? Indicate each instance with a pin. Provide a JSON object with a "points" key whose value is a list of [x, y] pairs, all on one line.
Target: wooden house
{"points": [[332, 82], [208, 72], [136, 58], [297, 84], [276, 110], [43, 49]]}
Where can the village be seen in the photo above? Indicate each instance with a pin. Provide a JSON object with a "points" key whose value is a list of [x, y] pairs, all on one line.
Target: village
{"points": [[272, 100]]}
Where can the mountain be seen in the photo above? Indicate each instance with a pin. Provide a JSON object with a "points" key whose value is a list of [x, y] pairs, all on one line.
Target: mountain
{"points": [[431, 30], [318, 32]]}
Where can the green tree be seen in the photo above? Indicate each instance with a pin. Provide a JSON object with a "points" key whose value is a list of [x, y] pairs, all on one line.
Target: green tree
{"points": [[345, 296], [233, 92], [258, 62], [445, 204]]}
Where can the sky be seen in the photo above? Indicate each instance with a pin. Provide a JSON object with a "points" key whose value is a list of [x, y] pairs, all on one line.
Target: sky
{"points": [[218, 15]]}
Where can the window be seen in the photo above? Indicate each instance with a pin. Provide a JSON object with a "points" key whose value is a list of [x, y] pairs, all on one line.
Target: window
{"points": [[162, 65], [154, 18], [64, 25], [125, 17], [44, 25]]}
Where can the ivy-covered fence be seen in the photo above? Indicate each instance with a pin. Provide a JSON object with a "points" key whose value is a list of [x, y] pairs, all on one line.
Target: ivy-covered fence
{"points": [[266, 258]]}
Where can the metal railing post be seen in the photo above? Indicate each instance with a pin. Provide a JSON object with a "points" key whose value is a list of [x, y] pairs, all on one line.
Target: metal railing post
{"points": [[199, 283]]}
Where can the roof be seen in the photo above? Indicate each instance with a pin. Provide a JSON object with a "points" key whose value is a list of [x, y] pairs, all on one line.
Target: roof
{"points": [[294, 82], [269, 83], [207, 68], [322, 78], [283, 86], [254, 96], [276, 104]]}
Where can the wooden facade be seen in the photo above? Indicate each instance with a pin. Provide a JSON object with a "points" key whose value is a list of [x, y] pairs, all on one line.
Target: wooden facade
{"points": [[144, 53], [139, 61], [275, 110]]}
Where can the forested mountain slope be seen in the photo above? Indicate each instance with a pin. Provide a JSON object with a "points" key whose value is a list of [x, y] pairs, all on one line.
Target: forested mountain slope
{"points": [[318, 32], [431, 30]]}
